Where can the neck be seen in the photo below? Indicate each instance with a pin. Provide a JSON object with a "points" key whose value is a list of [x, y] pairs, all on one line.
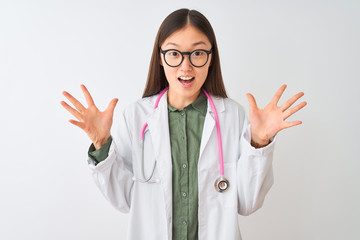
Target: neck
{"points": [[178, 101]]}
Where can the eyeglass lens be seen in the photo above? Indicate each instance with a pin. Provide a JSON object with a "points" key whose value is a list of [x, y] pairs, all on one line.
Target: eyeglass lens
{"points": [[198, 58]]}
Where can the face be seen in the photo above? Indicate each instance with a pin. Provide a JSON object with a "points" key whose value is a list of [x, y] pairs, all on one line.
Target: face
{"points": [[181, 88]]}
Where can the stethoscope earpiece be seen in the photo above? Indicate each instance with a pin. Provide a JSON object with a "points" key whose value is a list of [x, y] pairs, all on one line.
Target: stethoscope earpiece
{"points": [[222, 184]]}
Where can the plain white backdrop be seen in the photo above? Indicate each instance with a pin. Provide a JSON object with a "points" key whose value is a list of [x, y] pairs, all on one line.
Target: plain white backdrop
{"points": [[47, 47]]}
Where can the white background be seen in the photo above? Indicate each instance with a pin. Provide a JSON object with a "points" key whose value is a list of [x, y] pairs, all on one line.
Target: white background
{"points": [[47, 47]]}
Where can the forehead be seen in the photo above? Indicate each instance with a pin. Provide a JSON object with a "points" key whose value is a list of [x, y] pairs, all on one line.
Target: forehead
{"points": [[187, 37]]}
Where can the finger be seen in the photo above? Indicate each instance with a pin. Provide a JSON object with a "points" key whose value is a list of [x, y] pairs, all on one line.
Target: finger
{"points": [[278, 95], [291, 124], [71, 110], [78, 124], [293, 110], [252, 102], [87, 95], [112, 105], [74, 101], [291, 101]]}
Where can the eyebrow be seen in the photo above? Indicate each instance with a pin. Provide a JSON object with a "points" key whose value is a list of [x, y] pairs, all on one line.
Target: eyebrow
{"points": [[194, 44]]}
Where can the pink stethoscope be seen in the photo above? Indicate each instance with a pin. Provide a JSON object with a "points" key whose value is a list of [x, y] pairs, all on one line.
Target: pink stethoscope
{"points": [[221, 183]]}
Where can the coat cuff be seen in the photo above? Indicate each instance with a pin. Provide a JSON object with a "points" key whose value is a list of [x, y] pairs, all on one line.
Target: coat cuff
{"points": [[101, 154], [268, 149]]}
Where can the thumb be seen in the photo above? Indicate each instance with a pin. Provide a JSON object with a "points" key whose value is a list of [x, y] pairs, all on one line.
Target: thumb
{"points": [[252, 102], [112, 105]]}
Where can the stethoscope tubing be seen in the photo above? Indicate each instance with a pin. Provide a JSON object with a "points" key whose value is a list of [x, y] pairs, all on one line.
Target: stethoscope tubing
{"points": [[147, 180], [221, 184]]}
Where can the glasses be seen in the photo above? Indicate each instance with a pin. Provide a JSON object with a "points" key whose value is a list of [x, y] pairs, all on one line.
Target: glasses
{"points": [[174, 58]]}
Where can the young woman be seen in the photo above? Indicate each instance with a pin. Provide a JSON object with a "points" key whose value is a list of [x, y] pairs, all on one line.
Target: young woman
{"points": [[184, 160]]}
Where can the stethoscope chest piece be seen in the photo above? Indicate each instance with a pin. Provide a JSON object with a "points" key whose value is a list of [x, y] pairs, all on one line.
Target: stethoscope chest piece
{"points": [[222, 184]]}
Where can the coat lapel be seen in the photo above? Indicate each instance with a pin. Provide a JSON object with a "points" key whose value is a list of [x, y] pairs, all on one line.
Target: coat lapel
{"points": [[158, 125], [209, 123]]}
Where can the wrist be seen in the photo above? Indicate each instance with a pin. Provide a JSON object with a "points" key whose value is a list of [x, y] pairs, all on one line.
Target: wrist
{"points": [[100, 143], [259, 144]]}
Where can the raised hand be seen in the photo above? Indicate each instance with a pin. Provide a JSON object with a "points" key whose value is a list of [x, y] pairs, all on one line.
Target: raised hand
{"points": [[266, 123], [95, 123]]}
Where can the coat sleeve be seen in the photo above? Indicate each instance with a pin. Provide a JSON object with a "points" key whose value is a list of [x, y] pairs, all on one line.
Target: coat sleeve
{"points": [[113, 176], [254, 171]]}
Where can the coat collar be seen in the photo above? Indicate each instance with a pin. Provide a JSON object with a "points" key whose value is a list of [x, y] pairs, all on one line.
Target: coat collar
{"points": [[218, 102]]}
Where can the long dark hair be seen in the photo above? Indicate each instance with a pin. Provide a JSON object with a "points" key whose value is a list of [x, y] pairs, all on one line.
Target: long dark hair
{"points": [[156, 80]]}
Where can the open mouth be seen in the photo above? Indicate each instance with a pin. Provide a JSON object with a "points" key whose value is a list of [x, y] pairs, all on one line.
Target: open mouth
{"points": [[186, 81]]}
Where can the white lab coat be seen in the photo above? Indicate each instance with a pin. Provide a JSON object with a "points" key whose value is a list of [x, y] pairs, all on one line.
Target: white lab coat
{"points": [[248, 170]]}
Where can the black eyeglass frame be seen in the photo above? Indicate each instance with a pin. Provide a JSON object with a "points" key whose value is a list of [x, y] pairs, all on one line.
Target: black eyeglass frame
{"points": [[186, 53]]}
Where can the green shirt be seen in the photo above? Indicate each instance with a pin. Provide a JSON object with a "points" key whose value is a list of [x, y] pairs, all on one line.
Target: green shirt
{"points": [[185, 127]]}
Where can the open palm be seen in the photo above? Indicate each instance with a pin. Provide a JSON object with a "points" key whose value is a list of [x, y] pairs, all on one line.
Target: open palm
{"points": [[266, 123], [95, 123]]}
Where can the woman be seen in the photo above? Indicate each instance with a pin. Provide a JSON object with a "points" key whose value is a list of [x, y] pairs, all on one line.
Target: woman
{"points": [[167, 181]]}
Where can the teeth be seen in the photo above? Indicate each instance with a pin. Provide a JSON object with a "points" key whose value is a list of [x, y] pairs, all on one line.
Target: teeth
{"points": [[186, 78]]}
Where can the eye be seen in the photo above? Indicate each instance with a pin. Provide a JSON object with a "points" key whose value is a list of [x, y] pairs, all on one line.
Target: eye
{"points": [[173, 53], [198, 53]]}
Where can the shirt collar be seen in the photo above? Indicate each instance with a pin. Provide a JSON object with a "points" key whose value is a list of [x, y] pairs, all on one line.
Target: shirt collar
{"points": [[200, 104]]}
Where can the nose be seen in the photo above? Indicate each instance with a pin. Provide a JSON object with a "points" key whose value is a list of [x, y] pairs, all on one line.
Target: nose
{"points": [[186, 64]]}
